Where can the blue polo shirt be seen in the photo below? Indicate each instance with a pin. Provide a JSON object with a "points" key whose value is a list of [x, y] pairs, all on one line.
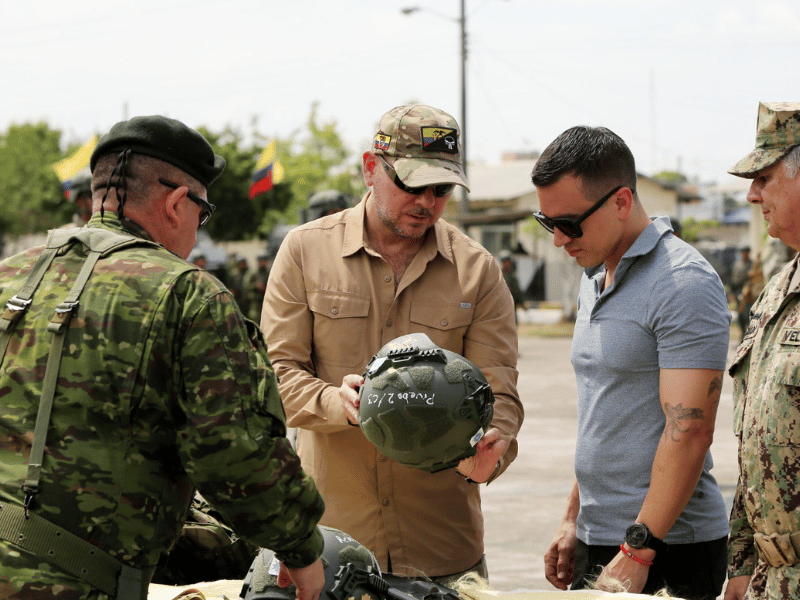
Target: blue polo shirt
{"points": [[665, 310]]}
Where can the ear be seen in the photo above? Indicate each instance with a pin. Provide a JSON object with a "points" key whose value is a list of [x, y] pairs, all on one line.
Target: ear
{"points": [[172, 208], [369, 163], [624, 203]]}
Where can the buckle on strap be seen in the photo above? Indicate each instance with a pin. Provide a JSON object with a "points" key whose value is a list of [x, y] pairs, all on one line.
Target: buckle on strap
{"points": [[15, 308], [17, 303], [778, 549], [62, 316]]}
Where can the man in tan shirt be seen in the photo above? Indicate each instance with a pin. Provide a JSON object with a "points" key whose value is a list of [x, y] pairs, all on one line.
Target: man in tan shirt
{"points": [[343, 286]]}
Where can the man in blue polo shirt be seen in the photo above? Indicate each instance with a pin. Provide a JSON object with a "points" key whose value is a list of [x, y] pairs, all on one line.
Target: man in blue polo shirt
{"points": [[649, 349]]}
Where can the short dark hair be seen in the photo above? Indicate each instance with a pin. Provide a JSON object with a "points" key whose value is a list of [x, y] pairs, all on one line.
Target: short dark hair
{"points": [[596, 155]]}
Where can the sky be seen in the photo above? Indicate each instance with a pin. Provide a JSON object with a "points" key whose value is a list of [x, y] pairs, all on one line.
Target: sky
{"points": [[679, 81]]}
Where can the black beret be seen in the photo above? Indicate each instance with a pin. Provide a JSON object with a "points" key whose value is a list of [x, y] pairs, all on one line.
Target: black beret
{"points": [[165, 139]]}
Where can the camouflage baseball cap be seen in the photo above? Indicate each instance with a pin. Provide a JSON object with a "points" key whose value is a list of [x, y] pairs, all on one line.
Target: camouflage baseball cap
{"points": [[424, 144], [777, 132]]}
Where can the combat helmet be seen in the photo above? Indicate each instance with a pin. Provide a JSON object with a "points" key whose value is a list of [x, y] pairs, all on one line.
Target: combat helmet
{"points": [[324, 203], [423, 406], [80, 185], [261, 582]]}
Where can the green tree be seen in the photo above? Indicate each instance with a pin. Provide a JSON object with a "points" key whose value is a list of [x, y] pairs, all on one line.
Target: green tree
{"points": [[312, 159], [237, 217], [696, 229], [671, 177], [315, 160], [29, 186]]}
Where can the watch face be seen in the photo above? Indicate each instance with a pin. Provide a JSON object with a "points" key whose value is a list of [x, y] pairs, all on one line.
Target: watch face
{"points": [[636, 535]]}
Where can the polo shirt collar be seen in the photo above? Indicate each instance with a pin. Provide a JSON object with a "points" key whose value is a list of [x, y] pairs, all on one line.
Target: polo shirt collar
{"points": [[644, 244]]}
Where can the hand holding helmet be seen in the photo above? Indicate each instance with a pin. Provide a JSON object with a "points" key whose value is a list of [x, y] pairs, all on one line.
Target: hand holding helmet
{"points": [[266, 579], [424, 406]]}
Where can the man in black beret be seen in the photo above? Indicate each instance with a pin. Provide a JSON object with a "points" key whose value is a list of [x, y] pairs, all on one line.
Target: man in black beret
{"points": [[129, 379]]}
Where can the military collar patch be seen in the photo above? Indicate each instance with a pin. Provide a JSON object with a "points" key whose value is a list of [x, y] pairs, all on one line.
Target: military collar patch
{"points": [[440, 139], [790, 336], [382, 142]]}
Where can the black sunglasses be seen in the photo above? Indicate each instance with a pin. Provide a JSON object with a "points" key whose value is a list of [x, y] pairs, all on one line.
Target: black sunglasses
{"points": [[208, 208], [440, 191], [571, 226]]}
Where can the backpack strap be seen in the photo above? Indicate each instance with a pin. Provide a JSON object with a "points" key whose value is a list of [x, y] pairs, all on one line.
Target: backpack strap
{"points": [[58, 327], [19, 303]]}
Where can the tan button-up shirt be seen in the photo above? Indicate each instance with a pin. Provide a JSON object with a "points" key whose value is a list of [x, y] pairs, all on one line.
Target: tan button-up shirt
{"points": [[330, 306]]}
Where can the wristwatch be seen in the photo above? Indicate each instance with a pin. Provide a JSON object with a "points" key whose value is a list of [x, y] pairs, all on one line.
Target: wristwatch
{"points": [[639, 536]]}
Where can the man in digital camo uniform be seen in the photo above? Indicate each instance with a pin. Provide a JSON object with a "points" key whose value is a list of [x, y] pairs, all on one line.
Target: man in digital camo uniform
{"points": [[764, 551], [161, 387]]}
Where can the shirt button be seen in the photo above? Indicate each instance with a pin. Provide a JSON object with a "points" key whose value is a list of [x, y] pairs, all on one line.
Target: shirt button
{"points": [[388, 278], [388, 322], [382, 458], [334, 311], [443, 322], [385, 502]]}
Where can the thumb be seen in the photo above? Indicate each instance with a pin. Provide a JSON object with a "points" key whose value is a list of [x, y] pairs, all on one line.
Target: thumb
{"points": [[284, 579]]}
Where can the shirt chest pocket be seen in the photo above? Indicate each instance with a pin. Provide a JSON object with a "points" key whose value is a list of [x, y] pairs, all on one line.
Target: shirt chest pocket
{"points": [[445, 324], [340, 328], [782, 417]]}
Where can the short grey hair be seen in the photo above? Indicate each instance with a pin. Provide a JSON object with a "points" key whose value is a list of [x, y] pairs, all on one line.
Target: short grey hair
{"points": [[791, 162]]}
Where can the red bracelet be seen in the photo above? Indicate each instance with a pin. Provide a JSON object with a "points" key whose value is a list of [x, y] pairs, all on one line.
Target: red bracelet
{"points": [[636, 558]]}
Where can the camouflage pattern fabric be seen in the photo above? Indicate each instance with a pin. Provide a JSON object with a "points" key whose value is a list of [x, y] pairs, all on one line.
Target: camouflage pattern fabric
{"points": [[777, 132], [207, 550], [164, 387], [425, 144], [766, 373]]}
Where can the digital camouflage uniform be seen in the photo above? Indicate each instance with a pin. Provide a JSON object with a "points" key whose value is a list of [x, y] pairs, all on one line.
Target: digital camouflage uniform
{"points": [[163, 388], [766, 372]]}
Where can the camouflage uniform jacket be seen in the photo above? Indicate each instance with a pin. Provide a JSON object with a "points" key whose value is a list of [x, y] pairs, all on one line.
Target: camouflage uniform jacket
{"points": [[766, 372], [163, 388]]}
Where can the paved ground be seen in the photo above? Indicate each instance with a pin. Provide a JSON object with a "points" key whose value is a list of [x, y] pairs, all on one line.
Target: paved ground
{"points": [[523, 507]]}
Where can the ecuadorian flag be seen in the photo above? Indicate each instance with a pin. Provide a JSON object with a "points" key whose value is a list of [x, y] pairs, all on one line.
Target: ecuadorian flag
{"points": [[267, 172], [67, 168]]}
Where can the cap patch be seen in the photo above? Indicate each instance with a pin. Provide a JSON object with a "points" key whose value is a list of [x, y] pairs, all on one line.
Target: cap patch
{"points": [[382, 142], [440, 139]]}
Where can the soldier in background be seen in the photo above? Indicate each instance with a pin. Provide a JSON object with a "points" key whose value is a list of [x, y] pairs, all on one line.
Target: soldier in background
{"points": [[509, 267], [257, 286], [237, 283], [80, 194], [327, 202], [200, 260]]}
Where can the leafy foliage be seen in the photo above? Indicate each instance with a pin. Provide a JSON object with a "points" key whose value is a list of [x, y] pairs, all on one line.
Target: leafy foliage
{"points": [[694, 229], [313, 159], [671, 177], [29, 186]]}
